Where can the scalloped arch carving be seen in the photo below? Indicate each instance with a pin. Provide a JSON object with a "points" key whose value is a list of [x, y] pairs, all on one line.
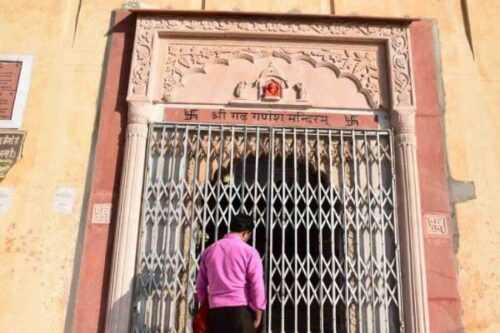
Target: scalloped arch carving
{"points": [[358, 65], [150, 26]]}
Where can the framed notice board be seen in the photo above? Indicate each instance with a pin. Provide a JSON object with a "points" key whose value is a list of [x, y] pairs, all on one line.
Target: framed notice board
{"points": [[15, 78]]}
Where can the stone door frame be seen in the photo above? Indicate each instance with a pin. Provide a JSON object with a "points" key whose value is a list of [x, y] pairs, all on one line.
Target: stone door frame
{"points": [[145, 108]]}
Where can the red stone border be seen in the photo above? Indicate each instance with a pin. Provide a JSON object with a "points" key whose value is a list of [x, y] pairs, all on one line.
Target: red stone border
{"points": [[92, 288], [445, 308]]}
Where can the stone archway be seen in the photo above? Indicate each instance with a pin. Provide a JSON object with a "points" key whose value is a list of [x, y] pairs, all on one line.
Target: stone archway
{"points": [[149, 94]]}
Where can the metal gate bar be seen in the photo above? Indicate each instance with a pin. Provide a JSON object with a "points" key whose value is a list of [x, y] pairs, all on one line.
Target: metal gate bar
{"points": [[324, 206]]}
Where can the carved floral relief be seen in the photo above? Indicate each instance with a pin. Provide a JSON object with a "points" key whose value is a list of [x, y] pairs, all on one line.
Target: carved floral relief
{"points": [[359, 65]]}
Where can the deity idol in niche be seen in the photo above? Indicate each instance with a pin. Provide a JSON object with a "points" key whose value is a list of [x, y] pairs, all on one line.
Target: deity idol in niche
{"points": [[272, 89]]}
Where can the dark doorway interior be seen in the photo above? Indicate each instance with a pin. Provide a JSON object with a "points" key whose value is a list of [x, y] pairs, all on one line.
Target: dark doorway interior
{"points": [[292, 230]]}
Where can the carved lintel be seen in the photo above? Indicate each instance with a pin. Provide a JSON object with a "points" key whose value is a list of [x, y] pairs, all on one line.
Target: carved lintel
{"points": [[397, 36], [359, 66]]}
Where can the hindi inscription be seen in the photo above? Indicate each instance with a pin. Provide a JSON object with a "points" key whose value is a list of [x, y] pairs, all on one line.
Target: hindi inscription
{"points": [[272, 118], [11, 143]]}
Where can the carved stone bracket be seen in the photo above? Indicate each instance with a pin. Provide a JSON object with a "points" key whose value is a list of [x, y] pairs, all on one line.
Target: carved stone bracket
{"points": [[403, 121], [149, 26]]}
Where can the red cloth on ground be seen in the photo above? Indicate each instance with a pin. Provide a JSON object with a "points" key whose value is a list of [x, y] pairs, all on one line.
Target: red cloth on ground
{"points": [[200, 320]]}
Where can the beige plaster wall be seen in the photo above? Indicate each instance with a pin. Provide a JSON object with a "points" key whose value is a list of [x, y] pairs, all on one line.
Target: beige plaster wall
{"points": [[37, 244], [68, 40]]}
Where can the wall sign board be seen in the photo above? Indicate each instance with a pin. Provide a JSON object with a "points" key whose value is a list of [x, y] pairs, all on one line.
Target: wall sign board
{"points": [[64, 200], [15, 77], [9, 79], [11, 146]]}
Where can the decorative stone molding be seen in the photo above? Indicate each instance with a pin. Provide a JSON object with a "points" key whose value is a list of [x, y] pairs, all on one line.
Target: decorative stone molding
{"points": [[403, 122], [359, 66], [143, 112], [127, 228], [148, 27], [410, 224]]}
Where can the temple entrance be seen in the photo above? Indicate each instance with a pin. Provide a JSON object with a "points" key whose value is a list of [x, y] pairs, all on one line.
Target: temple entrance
{"points": [[323, 203], [286, 241]]}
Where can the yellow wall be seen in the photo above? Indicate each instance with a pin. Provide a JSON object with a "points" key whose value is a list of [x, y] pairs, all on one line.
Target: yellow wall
{"points": [[37, 245]]}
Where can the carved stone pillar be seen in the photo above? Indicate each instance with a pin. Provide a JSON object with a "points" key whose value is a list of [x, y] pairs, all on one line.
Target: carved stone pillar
{"points": [[127, 228], [410, 224]]}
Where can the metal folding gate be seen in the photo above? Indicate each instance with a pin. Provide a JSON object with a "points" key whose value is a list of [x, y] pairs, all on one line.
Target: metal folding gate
{"points": [[324, 206]]}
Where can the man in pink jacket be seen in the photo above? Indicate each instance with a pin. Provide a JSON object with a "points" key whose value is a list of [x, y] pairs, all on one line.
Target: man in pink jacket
{"points": [[231, 279]]}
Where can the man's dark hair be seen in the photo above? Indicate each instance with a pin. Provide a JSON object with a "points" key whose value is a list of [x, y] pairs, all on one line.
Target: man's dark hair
{"points": [[241, 222]]}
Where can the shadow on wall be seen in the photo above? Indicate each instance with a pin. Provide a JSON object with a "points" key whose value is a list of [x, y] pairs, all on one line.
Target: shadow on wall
{"points": [[119, 316], [460, 191]]}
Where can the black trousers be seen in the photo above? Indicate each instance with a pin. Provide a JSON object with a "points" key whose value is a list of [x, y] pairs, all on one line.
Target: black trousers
{"points": [[234, 319]]}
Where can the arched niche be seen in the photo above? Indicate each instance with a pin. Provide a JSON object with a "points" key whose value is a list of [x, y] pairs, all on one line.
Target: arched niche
{"points": [[332, 75]]}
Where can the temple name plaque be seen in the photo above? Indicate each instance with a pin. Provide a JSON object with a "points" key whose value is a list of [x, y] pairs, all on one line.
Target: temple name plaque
{"points": [[269, 117]]}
